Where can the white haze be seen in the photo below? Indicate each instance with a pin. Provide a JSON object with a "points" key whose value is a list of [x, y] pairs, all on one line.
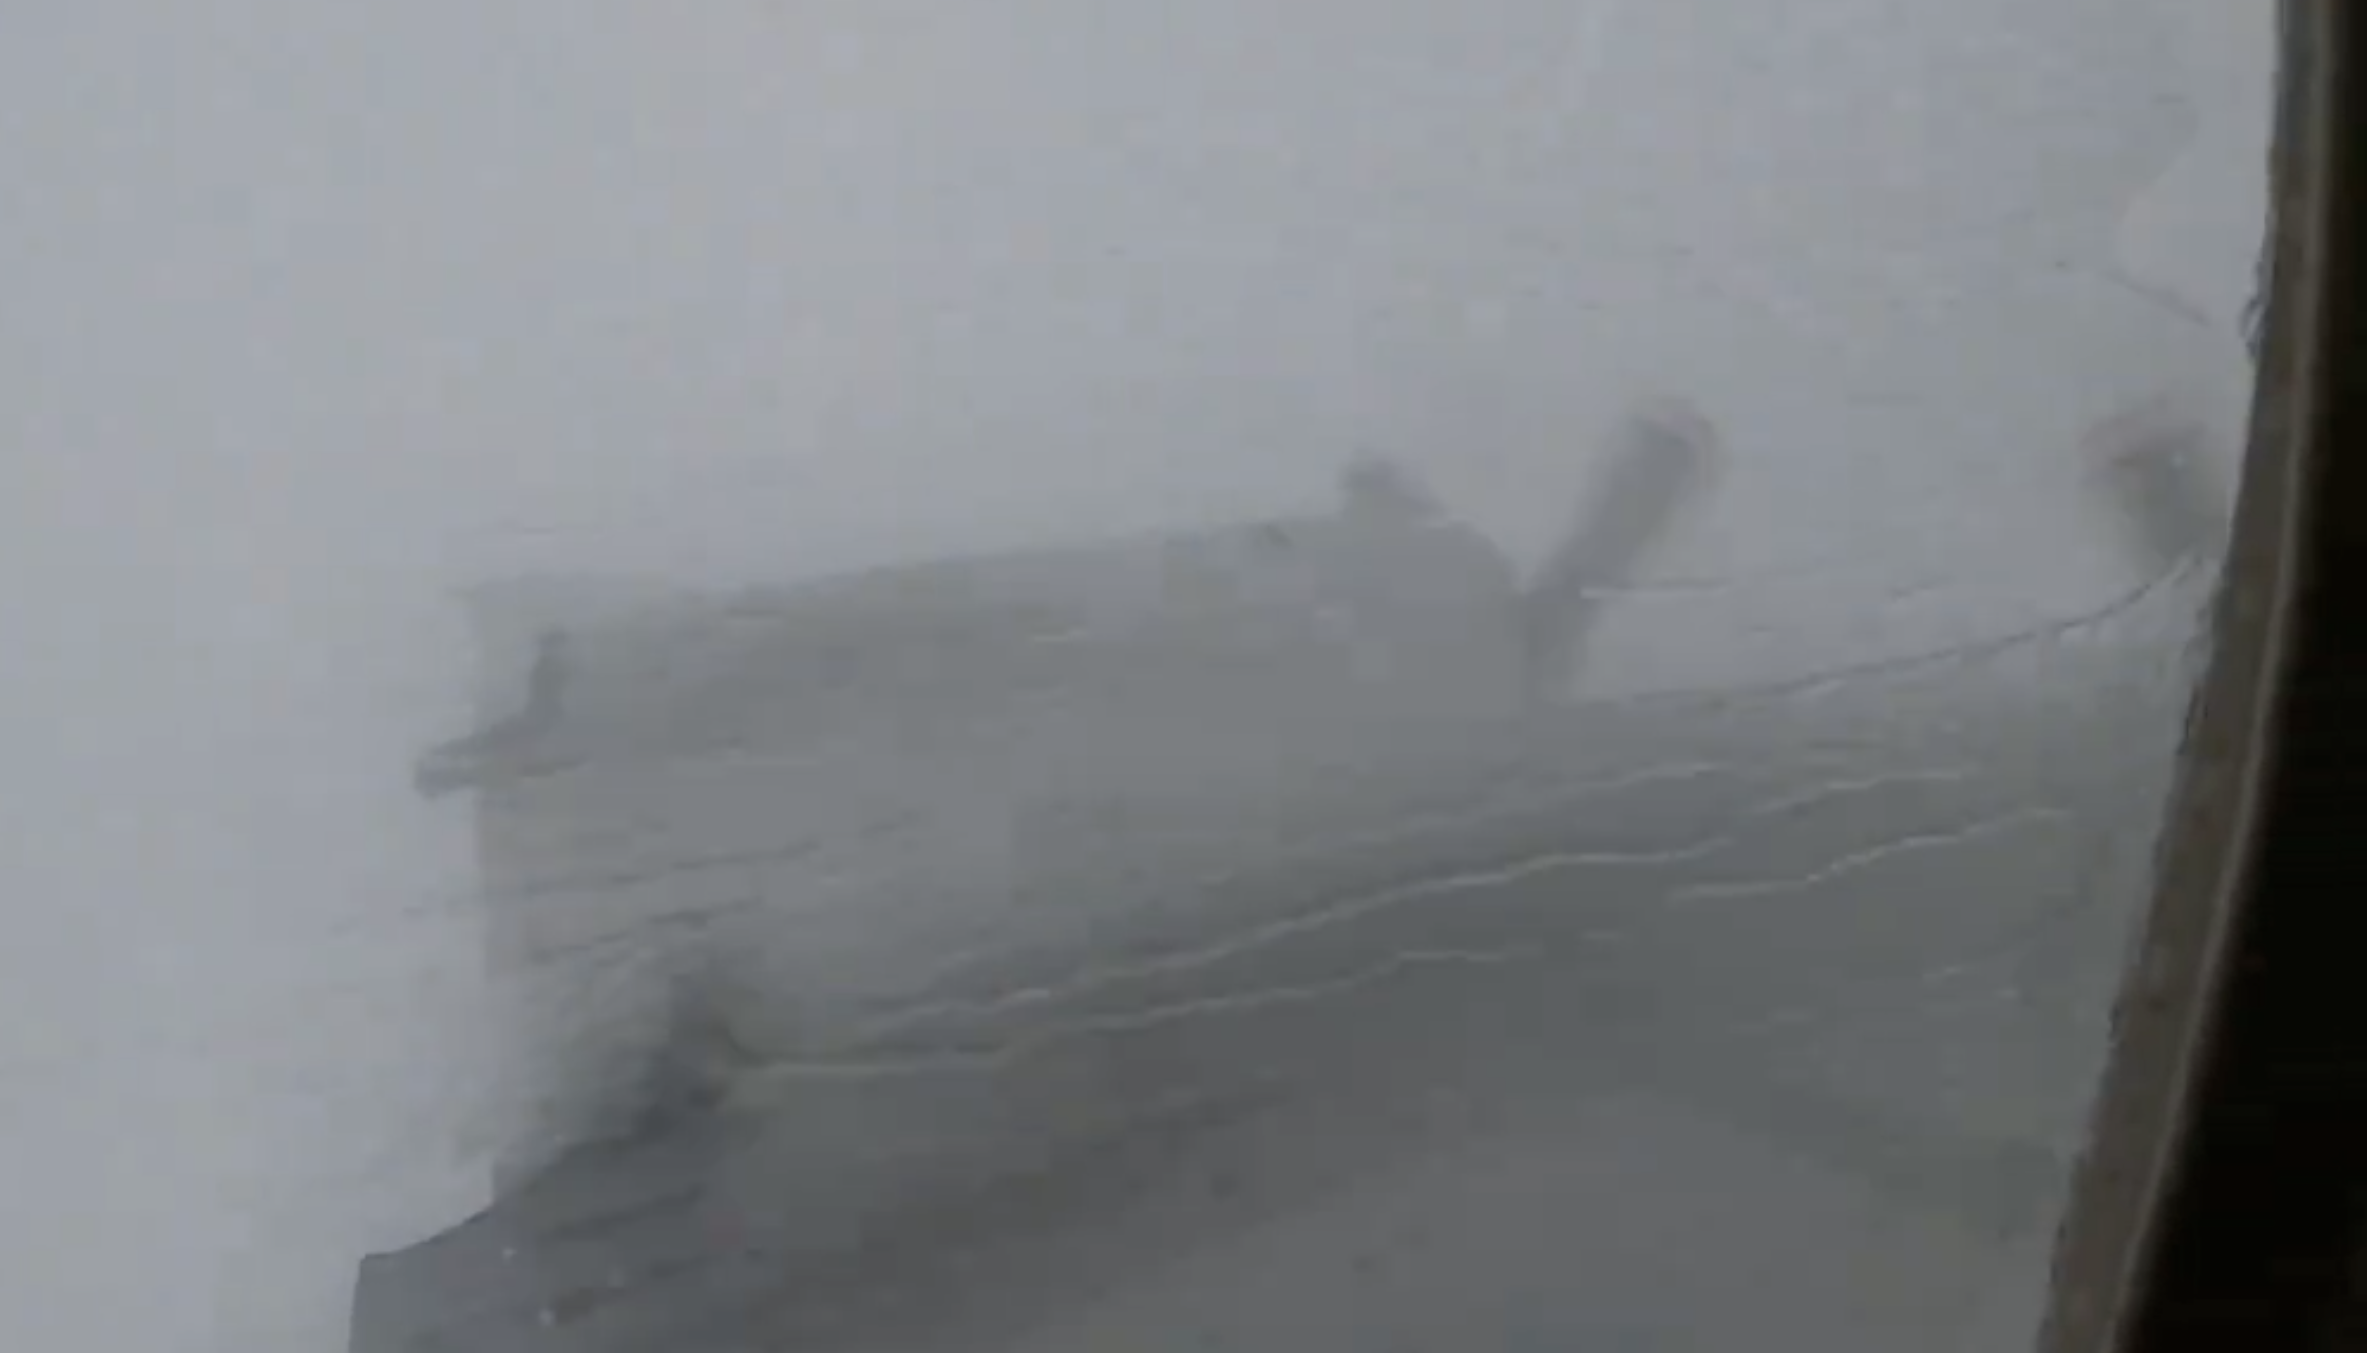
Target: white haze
{"points": [[313, 310]]}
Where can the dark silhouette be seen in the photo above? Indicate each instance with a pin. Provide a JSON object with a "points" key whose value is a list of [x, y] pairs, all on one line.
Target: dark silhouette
{"points": [[966, 1173]]}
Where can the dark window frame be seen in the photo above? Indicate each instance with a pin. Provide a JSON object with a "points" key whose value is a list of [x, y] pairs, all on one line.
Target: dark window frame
{"points": [[2222, 1202]]}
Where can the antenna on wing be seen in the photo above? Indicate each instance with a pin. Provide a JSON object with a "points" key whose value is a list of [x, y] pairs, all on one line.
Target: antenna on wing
{"points": [[507, 745], [1663, 461], [2150, 465]]}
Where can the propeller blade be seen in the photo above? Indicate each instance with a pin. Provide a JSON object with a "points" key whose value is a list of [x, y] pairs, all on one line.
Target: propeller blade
{"points": [[1664, 462], [2150, 466]]}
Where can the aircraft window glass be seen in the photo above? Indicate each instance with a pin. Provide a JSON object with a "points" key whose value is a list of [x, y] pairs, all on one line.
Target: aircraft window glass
{"points": [[1054, 676]]}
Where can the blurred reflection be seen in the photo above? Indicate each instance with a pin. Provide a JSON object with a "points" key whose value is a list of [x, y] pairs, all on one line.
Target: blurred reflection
{"points": [[1043, 676]]}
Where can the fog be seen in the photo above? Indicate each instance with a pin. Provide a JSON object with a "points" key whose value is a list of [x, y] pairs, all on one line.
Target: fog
{"points": [[316, 312]]}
